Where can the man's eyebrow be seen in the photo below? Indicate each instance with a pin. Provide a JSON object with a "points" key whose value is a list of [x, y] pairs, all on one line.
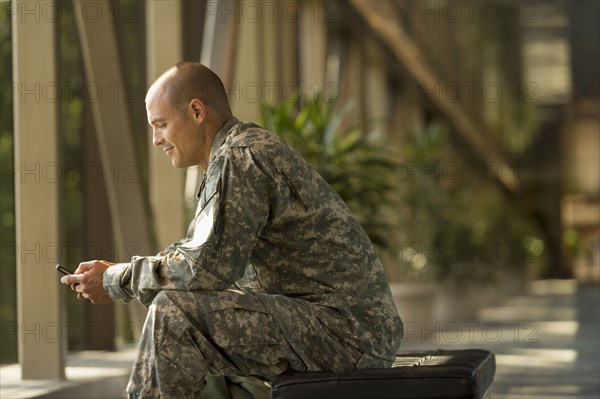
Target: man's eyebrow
{"points": [[156, 120]]}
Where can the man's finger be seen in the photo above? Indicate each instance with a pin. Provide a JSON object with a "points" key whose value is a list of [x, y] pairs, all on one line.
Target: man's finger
{"points": [[85, 266], [71, 279]]}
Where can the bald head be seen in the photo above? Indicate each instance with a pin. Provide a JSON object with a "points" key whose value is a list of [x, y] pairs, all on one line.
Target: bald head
{"points": [[188, 80]]}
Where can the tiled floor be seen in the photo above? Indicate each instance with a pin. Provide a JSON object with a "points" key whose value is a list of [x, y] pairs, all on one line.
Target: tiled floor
{"points": [[90, 374], [546, 342]]}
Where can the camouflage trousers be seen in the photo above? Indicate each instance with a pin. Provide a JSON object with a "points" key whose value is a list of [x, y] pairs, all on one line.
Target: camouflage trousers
{"points": [[188, 334]]}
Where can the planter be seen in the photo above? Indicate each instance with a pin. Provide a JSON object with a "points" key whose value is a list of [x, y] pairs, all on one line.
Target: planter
{"points": [[463, 303], [414, 301]]}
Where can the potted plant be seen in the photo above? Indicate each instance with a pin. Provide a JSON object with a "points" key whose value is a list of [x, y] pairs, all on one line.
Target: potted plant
{"points": [[349, 159], [459, 231]]}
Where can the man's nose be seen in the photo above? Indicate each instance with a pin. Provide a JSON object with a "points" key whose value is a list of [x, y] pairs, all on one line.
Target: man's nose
{"points": [[156, 137]]}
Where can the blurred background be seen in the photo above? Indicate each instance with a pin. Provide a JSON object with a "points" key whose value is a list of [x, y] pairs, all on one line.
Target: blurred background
{"points": [[464, 136]]}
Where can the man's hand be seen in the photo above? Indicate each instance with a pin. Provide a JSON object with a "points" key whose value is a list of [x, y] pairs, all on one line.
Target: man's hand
{"points": [[87, 281]]}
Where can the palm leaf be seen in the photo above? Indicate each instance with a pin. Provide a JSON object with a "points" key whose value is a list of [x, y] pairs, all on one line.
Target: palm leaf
{"points": [[356, 167]]}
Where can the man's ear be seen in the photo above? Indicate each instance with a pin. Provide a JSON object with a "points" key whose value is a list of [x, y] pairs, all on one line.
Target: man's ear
{"points": [[199, 109]]}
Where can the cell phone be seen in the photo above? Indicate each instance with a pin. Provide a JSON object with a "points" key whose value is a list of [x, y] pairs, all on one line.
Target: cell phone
{"points": [[63, 270]]}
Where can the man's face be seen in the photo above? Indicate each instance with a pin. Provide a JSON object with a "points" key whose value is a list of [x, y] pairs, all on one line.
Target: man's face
{"points": [[179, 132]]}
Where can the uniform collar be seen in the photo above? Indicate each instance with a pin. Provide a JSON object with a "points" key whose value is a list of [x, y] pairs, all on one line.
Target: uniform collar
{"points": [[221, 136], [219, 140]]}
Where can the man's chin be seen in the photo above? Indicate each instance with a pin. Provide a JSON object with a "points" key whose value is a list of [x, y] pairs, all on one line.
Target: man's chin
{"points": [[178, 164]]}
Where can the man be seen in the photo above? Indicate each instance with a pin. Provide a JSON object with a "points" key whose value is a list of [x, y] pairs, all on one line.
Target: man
{"points": [[274, 274]]}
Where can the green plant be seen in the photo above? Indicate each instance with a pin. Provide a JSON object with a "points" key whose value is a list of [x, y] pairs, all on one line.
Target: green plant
{"points": [[456, 226], [349, 159]]}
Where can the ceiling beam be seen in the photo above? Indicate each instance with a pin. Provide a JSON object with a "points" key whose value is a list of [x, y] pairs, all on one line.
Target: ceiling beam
{"points": [[380, 17]]}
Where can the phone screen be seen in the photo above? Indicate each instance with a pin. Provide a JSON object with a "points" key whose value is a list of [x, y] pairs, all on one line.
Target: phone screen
{"points": [[63, 270]]}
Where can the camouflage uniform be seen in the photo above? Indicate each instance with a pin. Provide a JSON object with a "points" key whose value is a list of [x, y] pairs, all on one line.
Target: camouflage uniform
{"points": [[274, 274]]}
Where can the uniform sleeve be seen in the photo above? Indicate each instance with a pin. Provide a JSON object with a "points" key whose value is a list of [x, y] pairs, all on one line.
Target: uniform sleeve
{"points": [[116, 282], [218, 248]]}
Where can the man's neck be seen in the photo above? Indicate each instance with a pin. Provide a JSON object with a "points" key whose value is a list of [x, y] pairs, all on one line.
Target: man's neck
{"points": [[217, 139]]}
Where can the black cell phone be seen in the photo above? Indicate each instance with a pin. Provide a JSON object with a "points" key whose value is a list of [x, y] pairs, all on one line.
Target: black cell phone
{"points": [[63, 270]]}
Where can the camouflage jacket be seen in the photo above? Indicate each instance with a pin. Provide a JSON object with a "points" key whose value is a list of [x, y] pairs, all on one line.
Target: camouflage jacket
{"points": [[266, 221]]}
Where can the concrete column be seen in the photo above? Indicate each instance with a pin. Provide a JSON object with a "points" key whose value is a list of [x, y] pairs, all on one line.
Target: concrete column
{"points": [[352, 85], [376, 90], [219, 53], [269, 62], [98, 232], [164, 43], [36, 191], [131, 223], [288, 50], [115, 138], [247, 88], [313, 47], [220, 38]]}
